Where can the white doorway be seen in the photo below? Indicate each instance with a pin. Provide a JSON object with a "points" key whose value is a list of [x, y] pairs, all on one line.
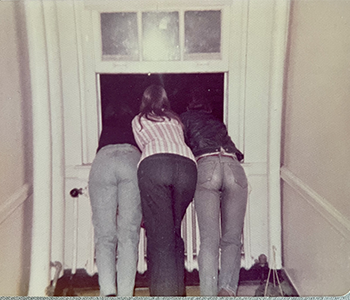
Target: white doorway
{"points": [[250, 54]]}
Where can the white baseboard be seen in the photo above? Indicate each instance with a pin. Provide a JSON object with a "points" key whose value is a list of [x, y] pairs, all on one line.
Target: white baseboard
{"points": [[320, 204], [14, 201]]}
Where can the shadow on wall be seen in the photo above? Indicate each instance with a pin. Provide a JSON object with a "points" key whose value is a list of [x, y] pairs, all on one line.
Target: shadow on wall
{"points": [[25, 85], [27, 125]]}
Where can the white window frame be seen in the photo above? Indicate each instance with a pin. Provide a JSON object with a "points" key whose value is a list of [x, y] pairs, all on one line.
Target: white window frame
{"points": [[232, 63]]}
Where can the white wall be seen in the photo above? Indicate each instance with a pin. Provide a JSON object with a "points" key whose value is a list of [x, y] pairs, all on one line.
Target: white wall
{"points": [[15, 152], [316, 165]]}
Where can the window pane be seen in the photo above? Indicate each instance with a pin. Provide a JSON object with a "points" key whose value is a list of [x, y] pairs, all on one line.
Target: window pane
{"points": [[119, 35], [160, 36], [203, 31]]}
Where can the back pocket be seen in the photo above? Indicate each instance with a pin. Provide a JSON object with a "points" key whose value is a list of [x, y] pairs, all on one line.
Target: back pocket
{"points": [[205, 171], [239, 174]]}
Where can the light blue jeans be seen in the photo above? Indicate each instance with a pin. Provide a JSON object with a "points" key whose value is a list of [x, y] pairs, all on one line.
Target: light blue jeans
{"points": [[116, 216], [220, 202]]}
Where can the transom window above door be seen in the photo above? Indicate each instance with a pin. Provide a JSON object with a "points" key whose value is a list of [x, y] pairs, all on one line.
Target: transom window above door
{"points": [[161, 35]]}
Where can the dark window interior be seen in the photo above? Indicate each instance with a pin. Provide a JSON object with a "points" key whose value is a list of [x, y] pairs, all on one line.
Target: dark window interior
{"points": [[119, 89]]}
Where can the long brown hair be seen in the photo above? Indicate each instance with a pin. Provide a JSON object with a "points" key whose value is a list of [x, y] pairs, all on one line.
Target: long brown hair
{"points": [[155, 105]]}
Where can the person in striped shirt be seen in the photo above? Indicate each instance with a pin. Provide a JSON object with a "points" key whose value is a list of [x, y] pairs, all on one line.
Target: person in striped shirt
{"points": [[167, 177]]}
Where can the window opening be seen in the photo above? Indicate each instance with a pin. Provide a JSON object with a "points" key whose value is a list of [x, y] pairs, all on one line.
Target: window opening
{"points": [[125, 90]]}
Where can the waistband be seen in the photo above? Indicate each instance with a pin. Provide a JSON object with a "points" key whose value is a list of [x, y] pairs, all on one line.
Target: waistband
{"points": [[120, 147], [221, 153], [166, 156]]}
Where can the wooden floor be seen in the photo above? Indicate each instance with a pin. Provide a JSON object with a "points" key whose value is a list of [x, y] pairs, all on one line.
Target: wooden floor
{"points": [[252, 283]]}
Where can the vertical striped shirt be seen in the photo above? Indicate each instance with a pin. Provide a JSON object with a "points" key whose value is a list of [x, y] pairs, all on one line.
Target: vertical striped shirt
{"points": [[160, 137]]}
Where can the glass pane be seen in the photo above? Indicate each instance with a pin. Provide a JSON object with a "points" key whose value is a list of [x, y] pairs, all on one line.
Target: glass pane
{"points": [[203, 31], [160, 36], [119, 35]]}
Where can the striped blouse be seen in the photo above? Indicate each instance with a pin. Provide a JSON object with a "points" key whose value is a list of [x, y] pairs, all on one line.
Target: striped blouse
{"points": [[160, 137]]}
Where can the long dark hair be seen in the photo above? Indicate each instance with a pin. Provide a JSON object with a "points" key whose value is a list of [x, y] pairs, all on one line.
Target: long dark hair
{"points": [[155, 105]]}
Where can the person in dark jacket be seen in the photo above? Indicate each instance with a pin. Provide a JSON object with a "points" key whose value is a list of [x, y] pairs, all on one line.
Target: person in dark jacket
{"points": [[220, 198]]}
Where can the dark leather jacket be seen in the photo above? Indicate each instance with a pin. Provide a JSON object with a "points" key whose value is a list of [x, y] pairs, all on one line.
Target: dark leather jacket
{"points": [[204, 133]]}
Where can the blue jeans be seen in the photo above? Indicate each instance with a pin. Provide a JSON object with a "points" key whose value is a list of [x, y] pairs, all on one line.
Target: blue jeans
{"points": [[116, 216], [220, 202], [167, 184]]}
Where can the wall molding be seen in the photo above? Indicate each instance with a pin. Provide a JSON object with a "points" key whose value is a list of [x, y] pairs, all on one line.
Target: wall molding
{"points": [[14, 201], [291, 281], [320, 204]]}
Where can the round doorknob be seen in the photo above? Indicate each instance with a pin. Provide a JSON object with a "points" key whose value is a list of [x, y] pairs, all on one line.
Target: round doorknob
{"points": [[76, 192]]}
